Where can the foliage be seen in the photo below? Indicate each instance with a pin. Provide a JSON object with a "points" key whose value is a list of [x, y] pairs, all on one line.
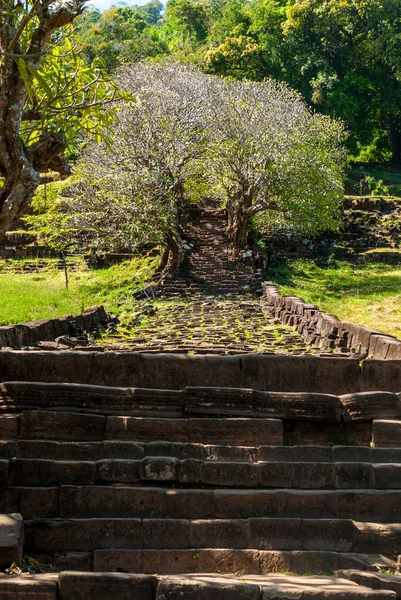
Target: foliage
{"points": [[150, 168], [25, 297], [256, 146], [273, 159], [48, 97]]}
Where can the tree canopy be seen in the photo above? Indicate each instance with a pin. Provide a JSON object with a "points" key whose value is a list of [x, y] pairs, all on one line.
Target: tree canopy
{"points": [[256, 146], [343, 56]]}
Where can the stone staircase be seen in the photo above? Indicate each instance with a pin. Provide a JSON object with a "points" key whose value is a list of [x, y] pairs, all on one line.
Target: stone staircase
{"points": [[209, 268], [197, 481]]}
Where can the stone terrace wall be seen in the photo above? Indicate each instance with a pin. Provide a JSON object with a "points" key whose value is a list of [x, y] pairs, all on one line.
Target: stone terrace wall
{"points": [[27, 334], [177, 371], [327, 331]]}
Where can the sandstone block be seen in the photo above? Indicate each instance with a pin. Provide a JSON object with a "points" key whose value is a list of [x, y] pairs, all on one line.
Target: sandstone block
{"points": [[103, 586], [219, 533], [353, 475], [11, 539], [118, 502], [165, 533], [33, 587], [367, 406], [159, 469], [387, 433], [228, 474], [62, 426], [121, 471], [204, 588], [82, 535]]}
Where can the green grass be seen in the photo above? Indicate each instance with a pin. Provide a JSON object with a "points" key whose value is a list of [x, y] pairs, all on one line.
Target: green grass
{"points": [[27, 297], [367, 295]]}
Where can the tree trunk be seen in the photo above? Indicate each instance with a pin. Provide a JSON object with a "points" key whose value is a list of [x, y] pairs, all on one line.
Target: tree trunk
{"points": [[174, 245], [19, 166], [237, 222]]}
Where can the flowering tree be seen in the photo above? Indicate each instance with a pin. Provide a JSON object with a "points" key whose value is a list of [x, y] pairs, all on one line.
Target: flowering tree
{"points": [[132, 190], [256, 146], [273, 159]]}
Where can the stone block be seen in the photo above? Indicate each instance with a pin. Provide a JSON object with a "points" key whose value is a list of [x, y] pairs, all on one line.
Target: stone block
{"points": [[39, 472], [376, 581], [387, 433], [228, 474], [33, 503], [219, 533], [367, 406], [119, 471], [241, 562], [159, 469], [73, 561], [190, 504], [204, 588], [176, 371], [295, 454], [62, 426], [129, 561], [103, 586], [330, 535], [189, 471], [275, 534], [387, 476], [109, 501], [377, 538], [32, 587], [9, 426], [165, 533], [353, 475], [280, 373], [82, 535], [11, 539], [114, 449], [351, 454]]}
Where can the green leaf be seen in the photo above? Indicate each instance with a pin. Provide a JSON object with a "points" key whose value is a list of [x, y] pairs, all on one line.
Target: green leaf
{"points": [[42, 83], [22, 68]]}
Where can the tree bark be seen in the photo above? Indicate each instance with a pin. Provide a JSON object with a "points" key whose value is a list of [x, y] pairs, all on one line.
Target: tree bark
{"points": [[19, 166], [237, 222]]}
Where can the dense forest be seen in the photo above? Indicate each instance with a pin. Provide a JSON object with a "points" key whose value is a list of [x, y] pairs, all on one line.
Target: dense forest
{"points": [[343, 56]]}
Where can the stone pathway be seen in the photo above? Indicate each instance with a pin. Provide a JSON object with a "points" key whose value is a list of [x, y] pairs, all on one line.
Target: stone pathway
{"points": [[212, 307], [221, 325]]}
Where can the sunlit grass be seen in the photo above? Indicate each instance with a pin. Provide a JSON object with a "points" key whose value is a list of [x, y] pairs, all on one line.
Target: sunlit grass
{"points": [[25, 296], [367, 294]]}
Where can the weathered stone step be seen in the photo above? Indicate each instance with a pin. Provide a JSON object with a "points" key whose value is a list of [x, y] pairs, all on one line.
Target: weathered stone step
{"points": [[130, 501], [11, 539], [215, 473], [86, 427], [115, 449], [377, 581], [366, 406], [330, 535], [123, 586], [241, 562]]}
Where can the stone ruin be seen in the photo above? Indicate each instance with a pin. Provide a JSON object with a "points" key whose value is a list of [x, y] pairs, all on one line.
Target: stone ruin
{"points": [[179, 476]]}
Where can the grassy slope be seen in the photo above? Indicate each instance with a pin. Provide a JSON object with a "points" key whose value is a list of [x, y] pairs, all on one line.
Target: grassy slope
{"points": [[25, 297], [368, 295]]}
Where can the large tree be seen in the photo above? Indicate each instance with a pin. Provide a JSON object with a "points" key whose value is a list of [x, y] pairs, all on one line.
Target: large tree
{"points": [[45, 93], [273, 159], [256, 146], [132, 192]]}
